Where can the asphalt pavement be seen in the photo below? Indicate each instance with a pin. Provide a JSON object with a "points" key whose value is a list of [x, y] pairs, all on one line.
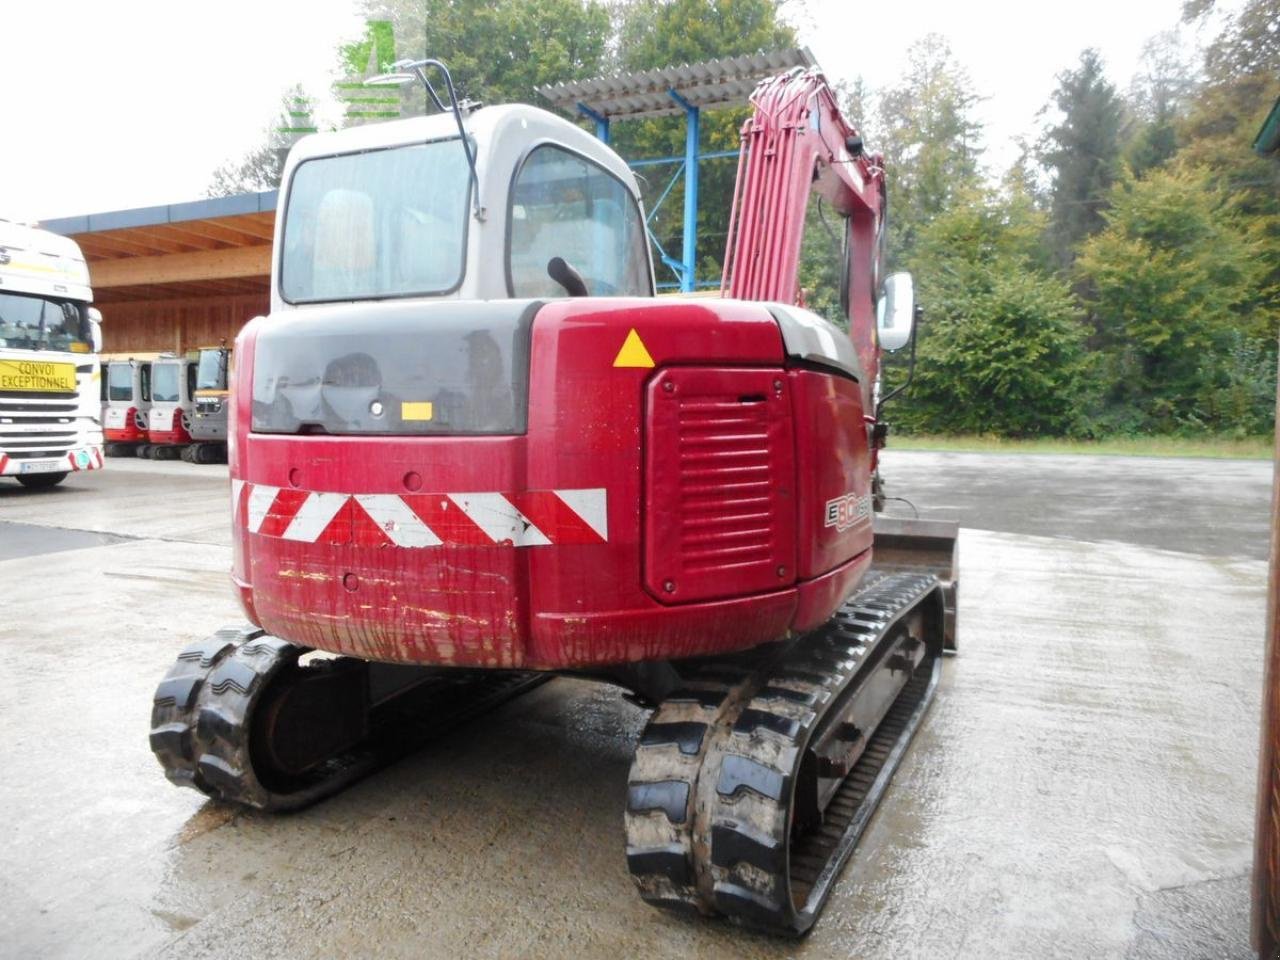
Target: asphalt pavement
{"points": [[1082, 786]]}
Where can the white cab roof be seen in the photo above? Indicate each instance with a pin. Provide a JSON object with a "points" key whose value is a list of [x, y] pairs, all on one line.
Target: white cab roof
{"points": [[37, 261]]}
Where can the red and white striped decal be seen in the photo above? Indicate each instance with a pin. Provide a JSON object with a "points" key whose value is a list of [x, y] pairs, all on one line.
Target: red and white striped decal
{"points": [[95, 459], [531, 518]]}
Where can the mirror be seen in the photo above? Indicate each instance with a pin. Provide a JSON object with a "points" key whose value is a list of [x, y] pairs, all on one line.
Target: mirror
{"points": [[895, 311], [95, 328]]}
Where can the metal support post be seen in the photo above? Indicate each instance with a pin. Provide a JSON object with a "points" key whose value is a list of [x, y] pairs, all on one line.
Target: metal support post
{"points": [[601, 122], [688, 276]]}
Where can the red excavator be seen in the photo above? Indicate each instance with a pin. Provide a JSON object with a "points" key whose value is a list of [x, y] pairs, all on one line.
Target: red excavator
{"points": [[470, 449]]}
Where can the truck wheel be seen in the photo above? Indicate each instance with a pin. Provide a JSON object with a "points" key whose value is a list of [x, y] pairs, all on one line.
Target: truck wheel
{"points": [[41, 481]]}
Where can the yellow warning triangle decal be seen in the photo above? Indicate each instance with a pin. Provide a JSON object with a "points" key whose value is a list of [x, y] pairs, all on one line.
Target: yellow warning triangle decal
{"points": [[633, 352]]}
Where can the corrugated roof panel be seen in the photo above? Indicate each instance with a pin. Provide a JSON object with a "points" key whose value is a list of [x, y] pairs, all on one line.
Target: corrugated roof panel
{"points": [[647, 93]]}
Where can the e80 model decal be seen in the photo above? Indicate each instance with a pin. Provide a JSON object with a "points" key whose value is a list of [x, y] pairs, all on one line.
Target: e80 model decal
{"points": [[843, 512]]}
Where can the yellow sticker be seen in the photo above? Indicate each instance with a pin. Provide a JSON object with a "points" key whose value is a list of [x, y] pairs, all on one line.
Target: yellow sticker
{"points": [[415, 411], [633, 352]]}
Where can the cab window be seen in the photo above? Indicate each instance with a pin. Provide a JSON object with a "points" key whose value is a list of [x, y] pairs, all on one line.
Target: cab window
{"points": [[119, 381], [563, 205]]}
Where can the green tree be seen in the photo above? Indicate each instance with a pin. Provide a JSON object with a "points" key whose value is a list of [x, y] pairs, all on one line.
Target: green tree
{"points": [[930, 139], [261, 167], [1001, 348], [660, 33], [1242, 81], [1159, 95], [1082, 153], [1242, 71], [500, 51], [1176, 283]]}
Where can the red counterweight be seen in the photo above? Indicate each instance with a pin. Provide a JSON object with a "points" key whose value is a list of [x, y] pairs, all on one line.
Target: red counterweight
{"points": [[648, 513]]}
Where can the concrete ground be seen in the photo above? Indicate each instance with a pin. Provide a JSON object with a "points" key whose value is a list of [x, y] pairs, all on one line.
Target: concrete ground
{"points": [[1082, 787]]}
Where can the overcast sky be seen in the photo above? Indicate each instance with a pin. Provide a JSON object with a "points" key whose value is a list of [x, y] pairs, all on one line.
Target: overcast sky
{"points": [[126, 103]]}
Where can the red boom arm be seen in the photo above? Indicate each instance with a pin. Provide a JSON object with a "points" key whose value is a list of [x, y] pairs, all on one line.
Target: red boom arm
{"points": [[795, 141]]}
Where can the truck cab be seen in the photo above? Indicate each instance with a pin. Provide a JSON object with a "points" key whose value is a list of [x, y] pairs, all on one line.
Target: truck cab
{"points": [[49, 340]]}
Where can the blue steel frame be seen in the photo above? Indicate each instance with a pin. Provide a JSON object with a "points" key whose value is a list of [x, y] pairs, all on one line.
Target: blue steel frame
{"points": [[686, 268]]}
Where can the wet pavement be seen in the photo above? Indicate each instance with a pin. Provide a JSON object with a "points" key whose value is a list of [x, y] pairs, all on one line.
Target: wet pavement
{"points": [[1211, 507], [1082, 787]]}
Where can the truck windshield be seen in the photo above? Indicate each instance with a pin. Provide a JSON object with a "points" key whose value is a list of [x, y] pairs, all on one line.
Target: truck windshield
{"points": [[164, 383], [119, 381], [211, 374], [384, 223], [42, 323]]}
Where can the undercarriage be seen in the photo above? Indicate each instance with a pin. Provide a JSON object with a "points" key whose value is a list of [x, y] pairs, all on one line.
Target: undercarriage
{"points": [[750, 784]]}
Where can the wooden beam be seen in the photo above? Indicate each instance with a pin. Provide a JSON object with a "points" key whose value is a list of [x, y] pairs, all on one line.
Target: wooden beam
{"points": [[164, 236], [208, 230], [140, 237], [101, 246], [182, 267], [260, 225]]}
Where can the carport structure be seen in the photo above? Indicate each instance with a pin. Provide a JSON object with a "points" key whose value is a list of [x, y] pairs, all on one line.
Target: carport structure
{"points": [[175, 277]]}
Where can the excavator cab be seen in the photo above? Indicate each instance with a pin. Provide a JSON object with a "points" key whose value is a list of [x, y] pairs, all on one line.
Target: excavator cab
{"points": [[173, 381], [209, 416], [393, 211], [126, 406]]}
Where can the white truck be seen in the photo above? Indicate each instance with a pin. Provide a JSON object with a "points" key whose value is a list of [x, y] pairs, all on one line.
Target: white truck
{"points": [[50, 337]]}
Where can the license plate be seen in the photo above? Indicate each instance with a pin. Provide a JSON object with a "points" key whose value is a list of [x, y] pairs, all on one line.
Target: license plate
{"points": [[37, 376], [41, 466]]}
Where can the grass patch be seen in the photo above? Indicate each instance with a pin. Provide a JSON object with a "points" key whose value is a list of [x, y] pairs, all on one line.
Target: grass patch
{"points": [[1251, 448]]}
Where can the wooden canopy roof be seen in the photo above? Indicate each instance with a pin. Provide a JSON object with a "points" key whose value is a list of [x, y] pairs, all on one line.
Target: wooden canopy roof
{"points": [[185, 250]]}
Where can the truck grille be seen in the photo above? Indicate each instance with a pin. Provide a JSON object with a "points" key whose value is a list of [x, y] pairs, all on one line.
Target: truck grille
{"points": [[720, 477], [40, 425]]}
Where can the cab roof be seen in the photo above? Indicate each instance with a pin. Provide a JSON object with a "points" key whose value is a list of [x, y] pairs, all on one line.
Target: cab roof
{"points": [[488, 126]]}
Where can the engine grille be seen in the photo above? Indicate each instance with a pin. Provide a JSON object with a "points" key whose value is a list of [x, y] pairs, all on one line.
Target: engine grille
{"points": [[720, 475]]}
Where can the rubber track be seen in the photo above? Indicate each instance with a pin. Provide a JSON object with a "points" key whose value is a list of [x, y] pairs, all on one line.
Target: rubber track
{"points": [[202, 715], [711, 830], [660, 809]]}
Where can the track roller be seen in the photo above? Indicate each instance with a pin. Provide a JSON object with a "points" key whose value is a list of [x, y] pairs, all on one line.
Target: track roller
{"points": [[750, 787]]}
